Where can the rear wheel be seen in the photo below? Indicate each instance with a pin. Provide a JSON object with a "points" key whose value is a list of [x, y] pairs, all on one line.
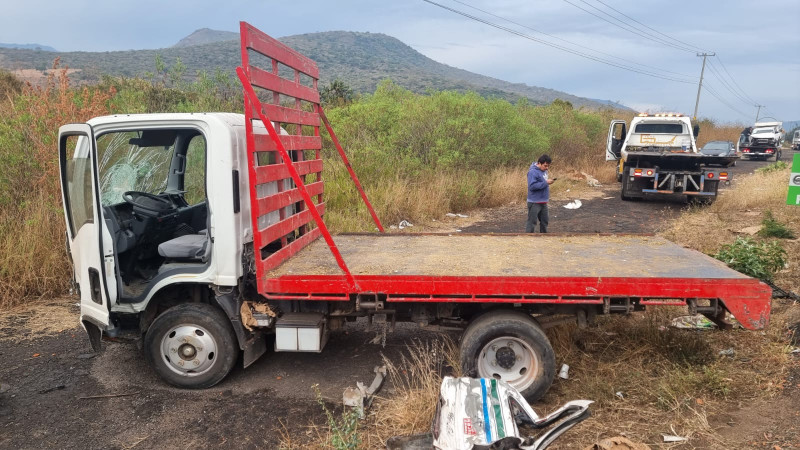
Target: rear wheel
{"points": [[191, 346], [509, 346], [624, 188]]}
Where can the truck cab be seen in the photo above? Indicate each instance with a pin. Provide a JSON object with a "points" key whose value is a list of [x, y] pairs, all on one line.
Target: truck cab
{"points": [[153, 205]]}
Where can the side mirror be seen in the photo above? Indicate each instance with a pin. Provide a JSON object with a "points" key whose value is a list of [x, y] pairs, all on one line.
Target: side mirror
{"points": [[696, 130]]}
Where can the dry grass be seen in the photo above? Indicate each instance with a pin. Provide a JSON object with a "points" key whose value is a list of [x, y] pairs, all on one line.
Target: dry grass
{"points": [[40, 318]]}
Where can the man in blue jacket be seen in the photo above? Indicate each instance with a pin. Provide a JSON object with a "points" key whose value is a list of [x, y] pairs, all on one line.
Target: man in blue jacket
{"points": [[538, 195]]}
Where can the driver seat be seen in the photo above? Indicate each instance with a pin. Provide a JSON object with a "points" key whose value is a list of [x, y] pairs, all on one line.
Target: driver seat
{"points": [[192, 247]]}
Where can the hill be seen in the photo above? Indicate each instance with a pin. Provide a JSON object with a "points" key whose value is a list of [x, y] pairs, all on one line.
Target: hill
{"points": [[359, 59], [206, 36], [29, 46]]}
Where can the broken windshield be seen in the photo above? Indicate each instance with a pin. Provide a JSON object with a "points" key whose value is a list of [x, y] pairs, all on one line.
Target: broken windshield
{"points": [[125, 166]]}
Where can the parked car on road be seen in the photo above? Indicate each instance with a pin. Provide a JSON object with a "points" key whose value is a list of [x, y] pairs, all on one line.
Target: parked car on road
{"points": [[719, 148]]}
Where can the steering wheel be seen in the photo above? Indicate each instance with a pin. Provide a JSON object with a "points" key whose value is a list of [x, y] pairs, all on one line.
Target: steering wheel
{"points": [[148, 204]]}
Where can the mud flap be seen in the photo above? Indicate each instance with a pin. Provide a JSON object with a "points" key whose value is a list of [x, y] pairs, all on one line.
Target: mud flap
{"points": [[95, 335]]}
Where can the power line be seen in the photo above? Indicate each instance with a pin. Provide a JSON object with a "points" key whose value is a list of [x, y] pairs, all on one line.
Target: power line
{"points": [[570, 42], [631, 29], [649, 28], [727, 85], [707, 87], [559, 47], [734, 81]]}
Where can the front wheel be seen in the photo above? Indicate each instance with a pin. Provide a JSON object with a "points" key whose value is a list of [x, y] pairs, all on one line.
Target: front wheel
{"points": [[509, 346], [191, 346]]}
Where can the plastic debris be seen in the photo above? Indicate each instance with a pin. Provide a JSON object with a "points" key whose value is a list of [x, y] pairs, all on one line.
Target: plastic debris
{"points": [[463, 216], [728, 352], [672, 438], [404, 224], [360, 397], [608, 198], [575, 204], [696, 322], [564, 372], [619, 394]]}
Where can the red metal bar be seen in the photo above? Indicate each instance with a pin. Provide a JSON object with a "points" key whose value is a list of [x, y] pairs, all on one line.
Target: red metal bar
{"points": [[273, 82], [289, 141], [350, 168], [285, 226], [283, 199], [252, 37], [272, 172], [746, 298], [250, 93], [282, 114]]}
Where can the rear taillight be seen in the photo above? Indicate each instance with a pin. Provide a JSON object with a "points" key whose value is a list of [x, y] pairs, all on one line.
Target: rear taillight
{"points": [[770, 150], [650, 173], [637, 172], [747, 150], [710, 175], [723, 175]]}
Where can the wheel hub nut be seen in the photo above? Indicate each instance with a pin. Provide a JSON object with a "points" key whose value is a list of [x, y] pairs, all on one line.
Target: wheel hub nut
{"points": [[506, 357], [187, 351]]}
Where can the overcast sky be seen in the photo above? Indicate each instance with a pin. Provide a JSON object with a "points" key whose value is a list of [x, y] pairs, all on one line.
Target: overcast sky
{"points": [[757, 43]]}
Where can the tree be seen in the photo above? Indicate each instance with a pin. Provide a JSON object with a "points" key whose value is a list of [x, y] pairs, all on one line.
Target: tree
{"points": [[337, 93]]}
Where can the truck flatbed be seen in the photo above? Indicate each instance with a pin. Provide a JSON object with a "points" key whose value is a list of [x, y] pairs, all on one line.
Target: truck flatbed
{"points": [[512, 268]]}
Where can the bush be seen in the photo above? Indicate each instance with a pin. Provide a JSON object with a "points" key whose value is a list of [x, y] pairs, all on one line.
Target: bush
{"points": [[777, 166], [773, 228], [757, 259]]}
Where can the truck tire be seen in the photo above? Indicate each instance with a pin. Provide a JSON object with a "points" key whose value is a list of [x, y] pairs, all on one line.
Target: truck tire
{"points": [[191, 346], [509, 346], [778, 155], [622, 195]]}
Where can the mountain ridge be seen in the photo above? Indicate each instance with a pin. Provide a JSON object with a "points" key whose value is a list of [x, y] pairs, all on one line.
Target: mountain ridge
{"points": [[360, 59]]}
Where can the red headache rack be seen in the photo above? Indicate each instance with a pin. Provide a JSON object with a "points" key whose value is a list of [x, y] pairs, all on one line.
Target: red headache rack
{"points": [[285, 167]]}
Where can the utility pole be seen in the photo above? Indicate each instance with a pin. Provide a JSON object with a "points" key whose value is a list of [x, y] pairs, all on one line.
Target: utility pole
{"points": [[700, 86], [758, 111]]}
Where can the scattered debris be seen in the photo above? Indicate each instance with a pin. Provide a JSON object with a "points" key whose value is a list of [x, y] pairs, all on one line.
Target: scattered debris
{"points": [[575, 204], [696, 322], [404, 224], [619, 394], [256, 315], [463, 216], [673, 438], [729, 352], [795, 350], [618, 443], [592, 181], [360, 396], [108, 396], [54, 388], [750, 230], [564, 372], [608, 198], [463, 421]]}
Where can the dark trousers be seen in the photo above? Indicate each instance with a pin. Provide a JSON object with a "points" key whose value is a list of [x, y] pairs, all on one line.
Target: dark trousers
{"points": [[537, 212]]}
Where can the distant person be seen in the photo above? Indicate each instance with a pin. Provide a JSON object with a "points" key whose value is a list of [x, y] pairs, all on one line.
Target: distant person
{"points": [[538, 195]]}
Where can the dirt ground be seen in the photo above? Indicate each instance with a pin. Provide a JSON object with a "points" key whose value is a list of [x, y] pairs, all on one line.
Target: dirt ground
{"points": [[61, 395]]}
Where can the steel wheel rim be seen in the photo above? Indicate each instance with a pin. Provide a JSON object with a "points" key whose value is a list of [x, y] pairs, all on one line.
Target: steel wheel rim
{"points": [[189, 350], [494, 362]]}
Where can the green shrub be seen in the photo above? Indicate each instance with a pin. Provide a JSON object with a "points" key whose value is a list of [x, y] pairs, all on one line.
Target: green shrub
{"points": [[773, 228], [757, 259], [343, 430], [774, 167]]}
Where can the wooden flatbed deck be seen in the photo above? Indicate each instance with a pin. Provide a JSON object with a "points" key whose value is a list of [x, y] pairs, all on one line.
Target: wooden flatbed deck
{"points": [[509, 255]]}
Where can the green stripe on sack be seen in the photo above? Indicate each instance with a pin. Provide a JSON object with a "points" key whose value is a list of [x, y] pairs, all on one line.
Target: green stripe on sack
{"points": [[498, 413]]}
